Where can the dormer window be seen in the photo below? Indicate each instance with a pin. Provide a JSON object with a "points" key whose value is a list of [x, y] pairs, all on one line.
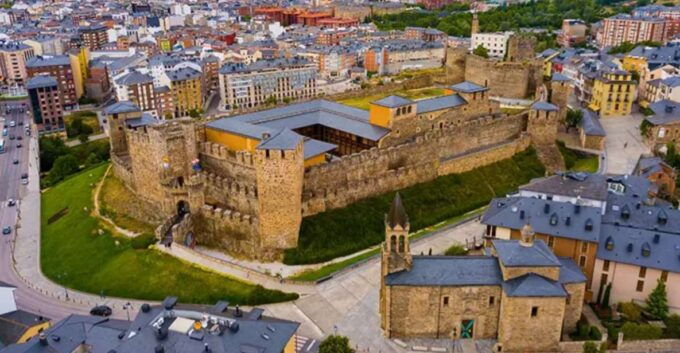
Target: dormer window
{"points": [[609, 244], [629, 248], [625, 212], [616, 187], [553, 219], [646, 250], [589, 225], [662, 217]]}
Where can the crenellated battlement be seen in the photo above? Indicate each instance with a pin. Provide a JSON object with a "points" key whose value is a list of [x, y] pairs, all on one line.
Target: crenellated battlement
{"points": [[218, 151], [227, 215], [229, 185]]}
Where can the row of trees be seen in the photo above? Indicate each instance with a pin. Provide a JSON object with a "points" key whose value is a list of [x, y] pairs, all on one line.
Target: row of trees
{"points": [[58, 161], [535, 14]]}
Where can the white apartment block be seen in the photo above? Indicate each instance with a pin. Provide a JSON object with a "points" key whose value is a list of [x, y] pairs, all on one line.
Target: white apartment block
{"points": [[495, 43]]}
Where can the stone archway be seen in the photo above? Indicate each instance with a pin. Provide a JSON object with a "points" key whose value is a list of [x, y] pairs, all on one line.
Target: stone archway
{"points": [[182, 208]]}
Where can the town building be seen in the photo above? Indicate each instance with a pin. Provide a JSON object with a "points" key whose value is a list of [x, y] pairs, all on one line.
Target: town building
{"points": [[613, 93], [626, 28], [573, 32], [591, 133], [664, 126], [13, 58], [424, 34], [46, 45], [669, 13], [169, 327], [612, 226], [518, 292], [60, 68], [136, 87], [17, 326], [46, 107], [394, 56], [496, 44], [658, 84], [93, 37], [657, 171], [245, 86], [186, 86]]}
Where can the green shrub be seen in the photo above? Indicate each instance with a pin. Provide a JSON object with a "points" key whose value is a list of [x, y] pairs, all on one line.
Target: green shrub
{"points": [[143, 241], [346, 230], [630, 310], [336, 344], [589, 347], [612, 331], [673, 326], [455, 250], [607, 293], [582, 330], [595, 333], [632, 331]]}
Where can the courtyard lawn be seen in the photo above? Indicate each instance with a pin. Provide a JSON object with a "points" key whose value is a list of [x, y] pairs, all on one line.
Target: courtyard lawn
{"points": [[79, 253], [346, 230], [113, 199], [363, 102], [578, 161]]}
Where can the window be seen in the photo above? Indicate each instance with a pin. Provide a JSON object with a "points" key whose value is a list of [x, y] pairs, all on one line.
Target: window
{"points": [[582, 261], [534, 311], [640, 285], [551, 241], [584, 246], [643, 272], [605, 265], [446, 301], [492, 300], [603, 278], [664, 276]]}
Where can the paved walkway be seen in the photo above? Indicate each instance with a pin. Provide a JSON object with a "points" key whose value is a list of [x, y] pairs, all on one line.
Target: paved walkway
{"points": [[623, 143], [90, 138]]}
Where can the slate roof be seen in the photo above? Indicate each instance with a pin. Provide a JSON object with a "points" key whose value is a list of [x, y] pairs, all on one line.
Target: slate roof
{"points": [[439, 103], [533, 285], [134, 77], [665, 112], [513, 254], [43, 61], [182, 74], [284, 139], [14, 324], [449, 271], [260, 65], [393, 102], [144, 120], [544, 106], [591, 124], [121, 107], [570, 272], [584, 185], [648, 165], [664, 253], [397, 214], [41, 81], [559, 77], [561, 218], [468, 87]]}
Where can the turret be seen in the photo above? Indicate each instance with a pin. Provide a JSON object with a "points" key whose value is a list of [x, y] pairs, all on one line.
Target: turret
{"points": [[474, 28], [560, 89], [542, 123]]}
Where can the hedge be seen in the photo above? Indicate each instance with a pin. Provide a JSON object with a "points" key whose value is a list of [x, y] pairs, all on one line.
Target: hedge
{"points": [[632, 331], [346, 230]]}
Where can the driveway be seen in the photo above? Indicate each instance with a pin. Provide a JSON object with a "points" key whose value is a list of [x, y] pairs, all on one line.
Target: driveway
{"points": [[623, 144]]}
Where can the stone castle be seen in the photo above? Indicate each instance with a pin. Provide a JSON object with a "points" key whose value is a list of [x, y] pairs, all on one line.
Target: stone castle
{"points": [[243, 183]]}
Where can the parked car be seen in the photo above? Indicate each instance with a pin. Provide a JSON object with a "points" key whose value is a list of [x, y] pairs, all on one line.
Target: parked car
{"points": [[20, 137], [16, 161], [18, 145], [6, 230], [11, 137], [21, 122], [101, 310], [11, 202]]}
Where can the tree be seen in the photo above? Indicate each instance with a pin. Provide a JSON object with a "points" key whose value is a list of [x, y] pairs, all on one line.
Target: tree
{"points": [[83, 138], [335, 344], [481, 51], [271, 100], [63, 167], [657, 302], [574, 118], [77, 128], [589, 347], [92, 159], [50, 149], [607, 294]]}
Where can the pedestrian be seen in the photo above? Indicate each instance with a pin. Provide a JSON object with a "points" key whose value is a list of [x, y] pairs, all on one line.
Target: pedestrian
{"points": [[625, 144]]}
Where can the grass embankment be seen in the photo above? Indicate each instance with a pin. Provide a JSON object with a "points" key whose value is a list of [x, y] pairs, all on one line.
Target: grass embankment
{"points": [[327, 270], [363, 102], [346, 230], [578, 161], [114, 201], [74, 254]]}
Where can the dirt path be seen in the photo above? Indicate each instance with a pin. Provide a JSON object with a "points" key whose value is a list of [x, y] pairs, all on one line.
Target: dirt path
{"points": [[96, 213]]}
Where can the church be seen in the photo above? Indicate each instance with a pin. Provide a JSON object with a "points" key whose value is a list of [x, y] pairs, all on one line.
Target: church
{"points": [[518, 292]]}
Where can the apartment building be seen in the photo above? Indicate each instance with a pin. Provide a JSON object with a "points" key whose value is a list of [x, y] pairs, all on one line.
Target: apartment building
{"points": [[46, 107], [93, 37], [573, 32], [394, 56], [496, 44], [46, 45], [669, 13], [13, 58], [626, 28], [266, 81], [58, 67], [186, 90], [136, 87], [665, 85], [425, 34], [613, 93]]}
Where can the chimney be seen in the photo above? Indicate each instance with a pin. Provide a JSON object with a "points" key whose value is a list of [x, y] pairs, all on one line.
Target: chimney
{"points": [[265, 136], [43, 339]]}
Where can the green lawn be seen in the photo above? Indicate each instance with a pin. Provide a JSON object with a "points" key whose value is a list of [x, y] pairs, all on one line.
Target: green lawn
{"points": [[346, 230], [415, 94], [578, 161], [74, 254]]}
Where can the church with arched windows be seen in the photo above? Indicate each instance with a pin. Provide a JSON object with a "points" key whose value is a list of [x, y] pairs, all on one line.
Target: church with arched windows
{"points": [[517, 292]]}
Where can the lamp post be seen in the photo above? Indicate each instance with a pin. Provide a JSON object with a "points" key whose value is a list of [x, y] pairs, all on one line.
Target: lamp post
{"points": [[127, 307]]}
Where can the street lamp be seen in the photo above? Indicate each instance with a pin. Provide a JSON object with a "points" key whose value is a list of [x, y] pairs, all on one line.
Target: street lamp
{"points": [[127, 307]]}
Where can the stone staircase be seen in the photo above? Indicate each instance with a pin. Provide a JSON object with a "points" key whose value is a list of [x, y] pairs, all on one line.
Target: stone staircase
{"points": [[551, 157]]}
